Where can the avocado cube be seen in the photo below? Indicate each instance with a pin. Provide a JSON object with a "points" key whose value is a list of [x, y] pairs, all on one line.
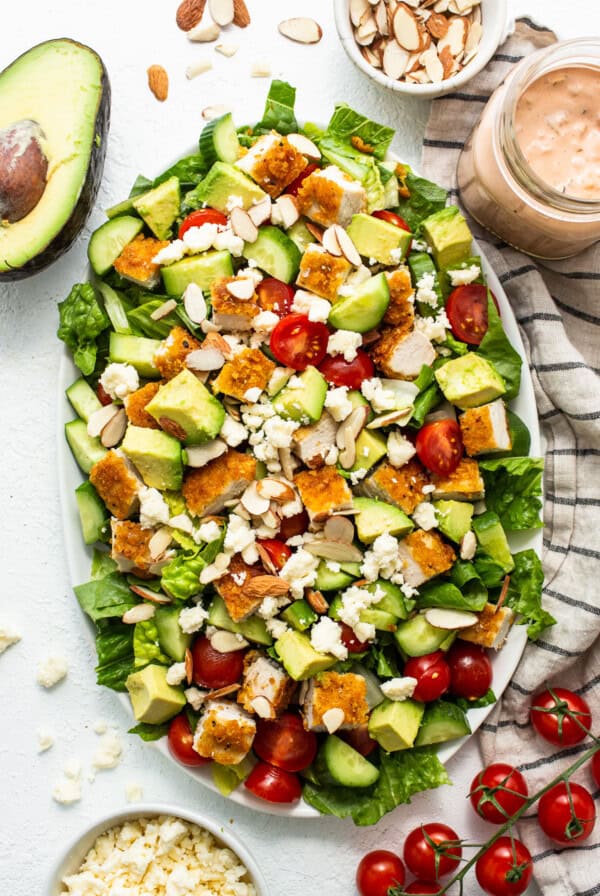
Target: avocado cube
{"points": [[224, 181], [379, 239], [300, 659], [394, 724], [304, 400], [375, 518], [300, 615], [371, 446], [187, 403], [470, 381], [155, 455], [449, 236], [454, 518], [153, 700], [159, 207]]}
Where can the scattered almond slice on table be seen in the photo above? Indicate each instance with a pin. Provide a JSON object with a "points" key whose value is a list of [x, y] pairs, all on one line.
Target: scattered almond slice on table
{"points": [[301, 30]]}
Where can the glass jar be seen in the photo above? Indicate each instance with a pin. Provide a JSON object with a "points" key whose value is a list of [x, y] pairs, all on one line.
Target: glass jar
{"points": [[501, 189]]}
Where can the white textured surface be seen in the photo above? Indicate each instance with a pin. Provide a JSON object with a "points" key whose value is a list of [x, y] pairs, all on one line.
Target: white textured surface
{"points": [[298, 857]]}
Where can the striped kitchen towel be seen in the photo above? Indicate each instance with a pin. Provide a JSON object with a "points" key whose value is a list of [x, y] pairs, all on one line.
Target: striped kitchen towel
{"points": [[557, 305]]}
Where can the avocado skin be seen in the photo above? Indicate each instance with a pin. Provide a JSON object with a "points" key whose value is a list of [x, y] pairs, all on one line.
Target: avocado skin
{"points": [[66, 237]]}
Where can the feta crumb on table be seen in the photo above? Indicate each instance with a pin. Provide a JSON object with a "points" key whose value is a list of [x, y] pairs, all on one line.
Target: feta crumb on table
{"points": [[8, 636], [45, 740], [52, 670], [108, 754]]}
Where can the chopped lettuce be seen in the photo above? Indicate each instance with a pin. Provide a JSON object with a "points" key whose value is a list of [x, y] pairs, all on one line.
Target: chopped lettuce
{"points": [[150, 732], [279, 110], [358, 165], [105, 598], [450, 597], [114, 646], [146, 646], [180, 577], [464, 575], [425, 198], [141, 321], [524, 593], [345, 124], [487, 700], [81, 322], [513, 486], [496, 348], [190, 170], [102, 564]]}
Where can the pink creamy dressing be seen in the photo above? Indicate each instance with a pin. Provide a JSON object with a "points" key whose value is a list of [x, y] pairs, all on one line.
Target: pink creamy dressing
{"points": [[557, 125]]}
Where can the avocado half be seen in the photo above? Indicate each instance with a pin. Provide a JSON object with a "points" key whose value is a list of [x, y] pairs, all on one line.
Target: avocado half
{"points": [[54, 120]]}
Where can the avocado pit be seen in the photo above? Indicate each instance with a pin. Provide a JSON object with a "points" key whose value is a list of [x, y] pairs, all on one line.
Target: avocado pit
{"points": [[23, 169]]}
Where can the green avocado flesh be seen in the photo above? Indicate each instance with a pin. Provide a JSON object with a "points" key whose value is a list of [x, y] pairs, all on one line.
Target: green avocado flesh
{"points": [[59, 88]]}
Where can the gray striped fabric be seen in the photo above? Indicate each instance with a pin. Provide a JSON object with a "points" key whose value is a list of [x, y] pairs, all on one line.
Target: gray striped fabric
{"points": [[558, 308]]}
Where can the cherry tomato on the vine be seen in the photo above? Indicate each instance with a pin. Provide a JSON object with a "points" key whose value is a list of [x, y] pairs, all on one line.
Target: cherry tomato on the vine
{"points": [[339, 372], [200, 217], [292, 189], [566, 813], [273, 784], [275, 295], [432, 673], [432, 850], [378, 872], [439, 446], [470, 670], [284, 742], [213, 669], [278, 551], [422, 888], [595, 768], [560, 716], [180, 740], [498, 791], [297, 341], [467, 311], [505, 869]]}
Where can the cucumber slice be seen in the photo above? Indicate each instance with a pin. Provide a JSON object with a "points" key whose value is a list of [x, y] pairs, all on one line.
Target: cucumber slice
{"points": [[173, 641], [253, 628], [331, 581], [339, 763], [114, 308], [364, 309], [83, 399], [274, 253], [442, 721], [416, 637], [300, 615], [107, 243], [86, 450], [199, 269], [135, 350], [219, 141], [121, 208], [92, 512]]}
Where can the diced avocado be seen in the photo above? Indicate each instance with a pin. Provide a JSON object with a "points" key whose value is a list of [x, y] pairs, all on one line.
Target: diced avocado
{"points": [[87, 450], [364, 309], [223, 182], [371, 446], [159, 207], [304, 401], [121, 208], [358, 400], [492, 539], [416, 637], [381, 619], [155, 455], [470, 381], [339, 763], [441, 722], [83, 399], [275, 253], [153, 700], [394, 724], [379, 239], [172, 639], [189, 404], [454, 518], [92, 512], [253, 628], [393, 600], [301, 235], [199, 269], [300, 615], [449, 236], [135, 350], [374, 518], [327, 580], [299, 658]]}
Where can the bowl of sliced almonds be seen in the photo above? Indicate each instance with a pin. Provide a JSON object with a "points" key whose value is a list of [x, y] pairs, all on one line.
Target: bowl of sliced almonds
{"points": [[423, 48]]}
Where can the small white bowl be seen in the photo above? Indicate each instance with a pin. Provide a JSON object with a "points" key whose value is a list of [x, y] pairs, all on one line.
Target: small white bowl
{"points": [[496, 28], [70, 861]]}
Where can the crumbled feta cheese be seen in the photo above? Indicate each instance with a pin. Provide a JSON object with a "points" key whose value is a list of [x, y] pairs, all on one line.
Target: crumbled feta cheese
{"points": [[421, 246], [425, 291], [399, 688], [233, 433], [344, 342], [208, 532], [380, 398], [353, 601], [434, 328], [279, 432], [72, 768], [199, 239], [8, 636], [52, 670], [338, 403], [191, 619], [108, 754], [239, 535], [226, 239], [265, 322], [354, 280], [428, 489], [195, 697], [425, 516], [134, 793], [171, 253], [357, 475], [276, 628], [326, 637], [176, 674], [333, 565], [253, 394], [100, 726], [154, 510], [400, 449], [235, 341], [301, 571], [234, 202], [67, 791], [315, 308], [45, 740], [382, 558], [463, 276], [120, 380], [216, 569]]}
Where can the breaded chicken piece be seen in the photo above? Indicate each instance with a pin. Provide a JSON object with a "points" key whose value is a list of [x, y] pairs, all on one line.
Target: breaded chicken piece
{"points": [[130, 546], [328, 196], [265, 678], [233, 588], [117, 484], [401, 486], [312, 443], [330, 690], [400, 354], [485, 429], [464, 484], [207, 489], [491, 629], [135, 405], [248, 369], [424, 555], [400, 312], [273, 163], [135, 261], [323, 492], [170, 356], [321, 272], [228, 312], [224, 733]]}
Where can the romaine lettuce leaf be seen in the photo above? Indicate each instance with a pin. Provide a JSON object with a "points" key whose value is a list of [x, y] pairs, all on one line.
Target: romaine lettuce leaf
{"points": [[114, 646], [345, 123], [362, 167], [102, 564], [146, 646], [448, 596], [181, 577], [81, 322], [524, 593], [105, 598], [425, 199], [279, 110], [141, 321], [150, 732], [513, 486], [496, 348]]}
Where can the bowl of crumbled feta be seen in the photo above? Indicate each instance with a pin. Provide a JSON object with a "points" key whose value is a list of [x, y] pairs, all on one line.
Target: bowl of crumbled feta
{"points": [[157, 850]]}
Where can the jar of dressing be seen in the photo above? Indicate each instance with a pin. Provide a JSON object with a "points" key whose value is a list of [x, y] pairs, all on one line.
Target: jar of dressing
{"points": [[530, 171]]}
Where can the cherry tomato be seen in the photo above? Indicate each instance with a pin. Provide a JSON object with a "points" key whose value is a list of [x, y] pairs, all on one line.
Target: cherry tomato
{"points": [[277, 550], [505, 869], [470, 670], [439, 446], [213, 669], [432, 673], [378, 871], [549, 716], [432, 862], [467, 310], [293, 525], [347, 373], [284, 742], [499, 784], [292, 189], [200, 217], [422, 888], [103, 396], [360, 740], [273, 784], [595, 768], [275, 295], [297, 341], [392, 218], [566, 813], [350, 640], [180, 740]]}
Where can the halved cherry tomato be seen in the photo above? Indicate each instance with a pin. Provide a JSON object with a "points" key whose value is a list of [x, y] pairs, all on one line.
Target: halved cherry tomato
{"points": [[279, 553], [284, 742], [213, 669], [297, 341], [497, 792], [103, 396], [467, 311], [378, 872], [566, 813], [292, 189], [273, 784], [360, 739], [595, 768], [202, 216], [275, 295], [422, 888], [470, 670], [432, 673], [391, 217], [550, 716], [350, 640], [432, 861], [293, 525], [439, 446], [505, 869], [339, 372], [180, 740]]}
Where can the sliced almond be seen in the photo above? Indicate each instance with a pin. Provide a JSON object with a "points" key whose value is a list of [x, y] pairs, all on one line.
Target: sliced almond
{"points": [[164, 310], [304, 145], [203, 33], [288, 209], [334, 550], [159, 542], [437, 25], [266, 586], [347, 455], [449, 619], [271, 520], [154, 597], [349, 250], [468, 545], [370, 56], [302, 30], [215, 340], [353, 424], [139, 613], [200, 455], [198, 68], [395, 60], [227, 50], [330, 241], [242, 289], [253, 502], [194, 303], [433, 66], [339, 528], [226, 642], [98, 420], [244, 227], [315, 230], [405, 28], [260, 212], [212, 112], [114, 430], [204, 359], [189, 666], [399, 417], [275, 490], [316, 600], [223, 692], [441, 6], [357, 10], [381, 19], [366, 32], [473, 37], [333, 719], [222, 11], [448, 62], [456, 36], [265, 559], [262, 706]]}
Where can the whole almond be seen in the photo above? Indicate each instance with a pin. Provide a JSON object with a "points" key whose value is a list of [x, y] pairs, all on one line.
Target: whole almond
{"points": [[437, 25], [158, 82], [189, 13], [241, 16], [266, 586]]}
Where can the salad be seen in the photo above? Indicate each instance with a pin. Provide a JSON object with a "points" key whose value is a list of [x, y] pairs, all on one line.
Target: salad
{"points": [[294, 416]]}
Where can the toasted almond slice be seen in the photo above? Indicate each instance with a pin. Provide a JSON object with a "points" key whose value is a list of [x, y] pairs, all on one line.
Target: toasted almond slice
{"points": [[265, 559], [205, 359], [194, 303], [473, 37], [215, 340], [243, 226], [413, 63], [253, 502], [455, 37], [189, 666], [449, 619], [400, 417], [413, 3], [260, 212], [339, 528], [159, 542], [370, 56], [316, 600], [203, 33], [448, 62], [154, 597], [304, 145], [271, 519], [468, 545], [437, 25], [441, 6], [262, 706], [357, 10], [139, 613], [287, 461], [353, 424], [222, 11], [347, 455], [275, 490], [302, 30], [349, 250], [266, 586], [425, 39], [200, 455], [405, 28], [433, 66], [476, 15], [198, 68], [223, 692], [212, 112], [164, 309], [315, 230], [226, 642], [114, 430], [242, 289], [333, 718], [330, 241], [288, 209], [366, 33], [381, 19], [334, 550], [98, 420]]}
